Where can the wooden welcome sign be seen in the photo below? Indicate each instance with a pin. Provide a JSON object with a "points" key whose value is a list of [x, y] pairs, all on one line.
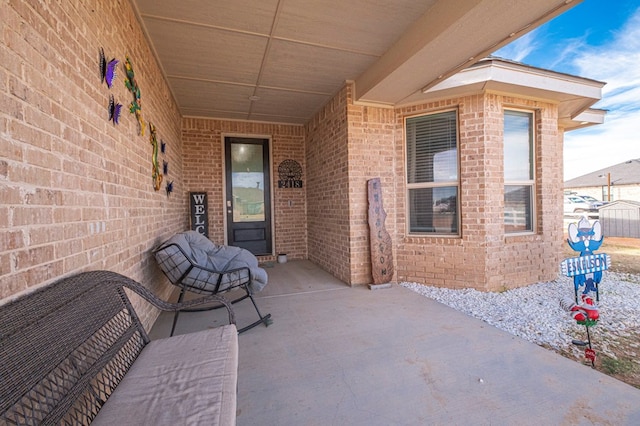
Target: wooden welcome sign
{"points": [[199, 213], [381, 249]]}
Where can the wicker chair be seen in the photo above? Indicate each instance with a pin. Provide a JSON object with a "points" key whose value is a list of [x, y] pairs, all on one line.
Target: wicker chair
{"points": [[195, 264]]}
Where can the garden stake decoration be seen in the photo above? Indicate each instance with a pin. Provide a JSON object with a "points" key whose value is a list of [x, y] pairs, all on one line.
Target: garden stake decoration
{"points": [[586, 271]]}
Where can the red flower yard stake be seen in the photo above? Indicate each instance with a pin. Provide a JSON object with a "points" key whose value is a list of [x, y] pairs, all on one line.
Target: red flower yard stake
{"points": [[586, 271]]}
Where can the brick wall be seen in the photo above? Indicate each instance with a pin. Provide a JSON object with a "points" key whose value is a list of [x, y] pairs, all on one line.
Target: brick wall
{"points": [[327, 155], [204, 171], [348, 144], [484, 257], [528, 259], [76, 189], [451, 261], [371, 154]]}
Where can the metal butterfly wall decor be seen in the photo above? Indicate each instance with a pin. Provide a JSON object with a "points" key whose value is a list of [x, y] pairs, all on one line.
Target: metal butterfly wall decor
{"points": [[114, 110], [107, 69]]}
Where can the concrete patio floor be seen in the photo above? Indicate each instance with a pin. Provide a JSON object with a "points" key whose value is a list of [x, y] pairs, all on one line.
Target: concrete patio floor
{"points": [[337, 355]]}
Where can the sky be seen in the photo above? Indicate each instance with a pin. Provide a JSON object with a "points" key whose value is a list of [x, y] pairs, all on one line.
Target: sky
{"points": [[599, 40]]}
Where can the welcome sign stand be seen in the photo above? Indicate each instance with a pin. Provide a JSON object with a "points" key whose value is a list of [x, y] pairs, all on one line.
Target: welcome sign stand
{"points": [[586, 271]]}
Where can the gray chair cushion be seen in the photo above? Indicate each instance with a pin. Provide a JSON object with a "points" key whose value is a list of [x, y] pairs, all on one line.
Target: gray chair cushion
{"points": [[204, 253]]}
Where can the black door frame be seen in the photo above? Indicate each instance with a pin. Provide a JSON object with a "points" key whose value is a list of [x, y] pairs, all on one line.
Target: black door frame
{"points": [[230, 225]]}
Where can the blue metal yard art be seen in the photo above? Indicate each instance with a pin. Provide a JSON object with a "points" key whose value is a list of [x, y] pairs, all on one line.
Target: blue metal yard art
{"points": [[586, 271]]}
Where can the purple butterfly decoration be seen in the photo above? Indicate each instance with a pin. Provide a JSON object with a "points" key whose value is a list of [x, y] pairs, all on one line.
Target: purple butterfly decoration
{"points": [[114, 110], [107, 69], [169, 188], [163, 147], [165, 167]]}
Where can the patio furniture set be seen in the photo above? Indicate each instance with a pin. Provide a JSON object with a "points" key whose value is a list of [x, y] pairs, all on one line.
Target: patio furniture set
{"points": [[75, 351]]}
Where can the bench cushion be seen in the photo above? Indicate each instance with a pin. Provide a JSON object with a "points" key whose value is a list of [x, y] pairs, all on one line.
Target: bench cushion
{"points": [[185, 379]]}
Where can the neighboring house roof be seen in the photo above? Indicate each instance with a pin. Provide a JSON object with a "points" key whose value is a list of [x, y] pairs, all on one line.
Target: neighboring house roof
{"points": [[627, 173]]}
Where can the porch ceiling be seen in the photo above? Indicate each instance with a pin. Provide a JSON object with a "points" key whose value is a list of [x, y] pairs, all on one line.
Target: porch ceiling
{"points": [[281, 60]]}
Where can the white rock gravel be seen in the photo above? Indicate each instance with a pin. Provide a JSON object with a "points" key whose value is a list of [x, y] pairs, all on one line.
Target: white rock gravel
{"points": [[534, 312]]}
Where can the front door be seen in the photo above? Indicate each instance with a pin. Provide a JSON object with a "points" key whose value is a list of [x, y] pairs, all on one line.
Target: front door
{"points": [[248, 192]]}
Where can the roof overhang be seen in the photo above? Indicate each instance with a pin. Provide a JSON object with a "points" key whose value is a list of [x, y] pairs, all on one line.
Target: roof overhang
{"points": [[281, 60], [573, 95], [451, 36]]}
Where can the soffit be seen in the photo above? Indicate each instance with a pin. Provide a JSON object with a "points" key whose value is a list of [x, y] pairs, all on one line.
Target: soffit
{"points": [[294, 55], [573, 95]]}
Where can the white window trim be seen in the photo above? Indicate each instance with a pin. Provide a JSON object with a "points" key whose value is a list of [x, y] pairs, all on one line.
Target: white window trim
{"points": [[533, 181], [409, 186]]}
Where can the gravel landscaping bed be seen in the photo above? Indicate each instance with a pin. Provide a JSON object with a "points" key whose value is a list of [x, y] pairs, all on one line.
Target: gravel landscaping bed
{"points": [[535, 314]]}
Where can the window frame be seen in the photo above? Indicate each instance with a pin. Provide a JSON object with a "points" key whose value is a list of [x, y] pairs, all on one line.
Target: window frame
{"points": [[533, 164], [442, 184]]}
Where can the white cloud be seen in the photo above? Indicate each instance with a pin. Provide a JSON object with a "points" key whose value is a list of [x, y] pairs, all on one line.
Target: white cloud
{"points": [[617, 140], [598, 147], [572, 47], [522, 47]]}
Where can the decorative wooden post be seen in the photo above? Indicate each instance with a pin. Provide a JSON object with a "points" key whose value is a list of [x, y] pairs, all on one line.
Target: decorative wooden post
{"points": [[381, 249]]}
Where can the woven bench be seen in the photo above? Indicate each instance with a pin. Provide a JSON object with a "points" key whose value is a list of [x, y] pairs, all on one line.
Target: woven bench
{"points": [[75, 352]]}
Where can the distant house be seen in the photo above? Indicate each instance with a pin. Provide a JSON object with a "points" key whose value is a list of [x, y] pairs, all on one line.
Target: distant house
{"points": [[621, 181]]}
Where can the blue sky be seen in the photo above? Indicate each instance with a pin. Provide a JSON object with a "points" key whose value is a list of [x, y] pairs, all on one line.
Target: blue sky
{"points": [[600, 40]]}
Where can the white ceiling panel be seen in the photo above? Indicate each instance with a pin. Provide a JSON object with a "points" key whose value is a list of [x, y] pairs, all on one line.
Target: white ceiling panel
{"points": [[207, 53], [367, 26], [255, 16], [326, 69], [287, 105], [212, 96], [222, 115]]}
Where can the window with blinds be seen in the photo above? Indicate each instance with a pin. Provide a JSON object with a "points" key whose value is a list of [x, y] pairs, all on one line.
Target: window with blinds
{"points": [[432, 173], [518, 171]]}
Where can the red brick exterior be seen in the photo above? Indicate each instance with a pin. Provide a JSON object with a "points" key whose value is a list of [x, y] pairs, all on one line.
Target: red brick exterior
{"points": [[203, 143], [349, 143], [76, 189], [328, 221], [484, 257], [77, 192]]}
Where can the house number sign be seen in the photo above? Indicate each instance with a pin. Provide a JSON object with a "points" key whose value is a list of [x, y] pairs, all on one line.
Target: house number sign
{"points": [[289, 174]]}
